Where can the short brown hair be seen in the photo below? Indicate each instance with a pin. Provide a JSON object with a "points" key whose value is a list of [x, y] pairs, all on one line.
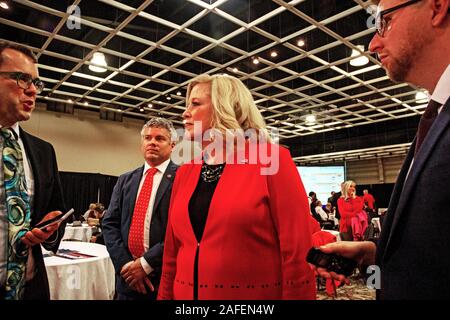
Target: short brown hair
{"points": [[9, 45]]}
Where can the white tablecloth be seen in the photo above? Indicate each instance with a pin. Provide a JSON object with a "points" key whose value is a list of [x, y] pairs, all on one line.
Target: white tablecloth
{"points": [[81, 233], [81, 279]]}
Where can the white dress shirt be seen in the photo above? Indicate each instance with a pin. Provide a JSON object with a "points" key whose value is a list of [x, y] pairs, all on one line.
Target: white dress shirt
{"points": [[442, 91], [323, 215], [440, 94], [148, 217]]}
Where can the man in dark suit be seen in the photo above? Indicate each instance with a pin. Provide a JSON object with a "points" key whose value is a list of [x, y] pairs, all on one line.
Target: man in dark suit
{"points": [[35, 179], [412, 42], [134, 226]]}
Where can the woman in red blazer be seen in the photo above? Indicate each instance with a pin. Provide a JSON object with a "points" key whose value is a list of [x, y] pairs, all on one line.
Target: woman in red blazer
{"points": [[238, 220], [349, 206]]}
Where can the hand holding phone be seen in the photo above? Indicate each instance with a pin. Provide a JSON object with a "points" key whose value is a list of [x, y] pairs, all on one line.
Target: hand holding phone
{"points": [[59, 218], [331, 262]]}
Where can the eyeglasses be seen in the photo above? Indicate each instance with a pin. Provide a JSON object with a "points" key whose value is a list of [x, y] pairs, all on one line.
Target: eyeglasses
{"points": [[380, 22], [24, 80]]}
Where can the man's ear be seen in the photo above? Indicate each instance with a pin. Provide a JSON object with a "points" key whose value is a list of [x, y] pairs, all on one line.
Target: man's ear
{"points": [[440, 11]]}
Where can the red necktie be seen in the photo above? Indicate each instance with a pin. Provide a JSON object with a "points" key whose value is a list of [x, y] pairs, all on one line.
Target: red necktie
{"points": [[425, 122], [136, 235]]}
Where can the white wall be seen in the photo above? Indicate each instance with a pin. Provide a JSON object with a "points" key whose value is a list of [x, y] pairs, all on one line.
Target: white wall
{"points": [[84, 143]]}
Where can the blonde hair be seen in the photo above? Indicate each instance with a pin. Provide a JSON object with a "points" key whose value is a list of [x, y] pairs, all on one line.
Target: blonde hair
{"points": [[233, 104], [345, 187]]}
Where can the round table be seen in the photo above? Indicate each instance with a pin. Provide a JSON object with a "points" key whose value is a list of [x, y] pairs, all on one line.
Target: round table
{"points": [[90, 278], [79, 233]]}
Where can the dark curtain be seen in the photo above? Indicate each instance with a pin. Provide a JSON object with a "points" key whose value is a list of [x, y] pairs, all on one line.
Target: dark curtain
{"points": [[81, 189]]}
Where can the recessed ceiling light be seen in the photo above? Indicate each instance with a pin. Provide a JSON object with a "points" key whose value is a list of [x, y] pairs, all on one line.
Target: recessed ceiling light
{"points": [[168, 98], [274, 54], [235, 70], [360, 61], [178, 93], [70, 101], [141, 109], [301, 43], [85, 103], [255, 60], [4, 5], [150, 105]]}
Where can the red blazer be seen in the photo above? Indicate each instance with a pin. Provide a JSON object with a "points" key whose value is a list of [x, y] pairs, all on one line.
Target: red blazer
{"points": [[255, 240], [369, 200], [349, 209]]}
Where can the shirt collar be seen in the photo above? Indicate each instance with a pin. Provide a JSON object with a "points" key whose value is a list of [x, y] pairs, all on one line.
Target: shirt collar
{"points": [[442, 91], [15, 127], [161, 168]]}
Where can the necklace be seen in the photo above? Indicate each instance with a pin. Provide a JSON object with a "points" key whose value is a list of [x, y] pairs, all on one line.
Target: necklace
{"points": [[212, 173]]}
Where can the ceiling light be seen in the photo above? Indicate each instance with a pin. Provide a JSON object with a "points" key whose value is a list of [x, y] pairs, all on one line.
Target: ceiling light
{"points": [[310, 119], [4, 5], [255, 60], [301, 43], [141, 109], [168, 98], [99, 60], [150, 105], [69, 101], [235, 70], [273, 54], [85, 103], [360, 61], [421, 97], [178, 93]]}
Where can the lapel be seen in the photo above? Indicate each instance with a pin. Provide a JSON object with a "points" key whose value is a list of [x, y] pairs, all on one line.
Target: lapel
{"points": [[34, 158], [439, 126], [166, 181], [130, 197]]}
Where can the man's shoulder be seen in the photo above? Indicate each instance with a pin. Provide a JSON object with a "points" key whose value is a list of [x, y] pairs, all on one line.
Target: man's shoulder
{"points": [[33, 139], [127, 175]]}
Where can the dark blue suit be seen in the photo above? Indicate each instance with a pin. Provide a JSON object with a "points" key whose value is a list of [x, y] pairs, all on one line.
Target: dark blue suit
{"points": [[117, 221], [413, 250], [48, 196]]}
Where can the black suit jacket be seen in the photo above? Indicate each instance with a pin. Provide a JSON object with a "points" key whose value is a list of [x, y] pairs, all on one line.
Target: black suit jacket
{"points": [[48, 196], [117, 221], [413, 250]]}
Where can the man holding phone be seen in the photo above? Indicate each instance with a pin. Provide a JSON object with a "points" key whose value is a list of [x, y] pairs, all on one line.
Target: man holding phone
{"points": [[412, 43], [30, 188]]}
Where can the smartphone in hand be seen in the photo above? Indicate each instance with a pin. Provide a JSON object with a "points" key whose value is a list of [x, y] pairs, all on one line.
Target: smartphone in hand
{"points": [[59, 218], [331, 262]]}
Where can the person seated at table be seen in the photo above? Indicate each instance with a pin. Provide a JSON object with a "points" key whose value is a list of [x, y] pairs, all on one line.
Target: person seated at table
{"points": [[96, 215], [85, 216], [326, 222]]}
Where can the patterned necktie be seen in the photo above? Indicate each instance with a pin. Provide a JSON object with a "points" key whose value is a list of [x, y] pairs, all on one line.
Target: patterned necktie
{"points": [[19, 216], [136, 235], [425, 122]]}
